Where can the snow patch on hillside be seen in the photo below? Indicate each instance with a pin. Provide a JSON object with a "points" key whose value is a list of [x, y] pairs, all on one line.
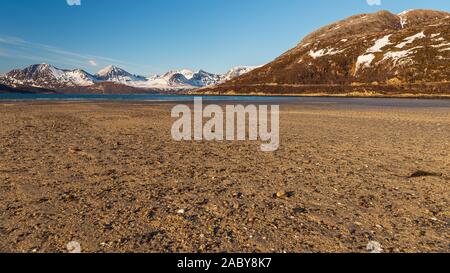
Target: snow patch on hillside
{"points": [[441, 45], [364, 61], [400, 57], [411, 39], [324, 52], [403, 17], [380, 44], [435, 35]]}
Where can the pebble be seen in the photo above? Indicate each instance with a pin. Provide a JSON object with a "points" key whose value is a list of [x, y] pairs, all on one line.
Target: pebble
{"points": [[181, 211], [74, 247], [299, 210], [283, 194], [374, 247], [280, 194], [74, 150]]}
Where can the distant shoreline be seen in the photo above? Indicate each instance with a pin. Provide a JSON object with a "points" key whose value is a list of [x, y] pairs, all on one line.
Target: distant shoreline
{"points": [[274, 95], [155, 100], [375, 96]]}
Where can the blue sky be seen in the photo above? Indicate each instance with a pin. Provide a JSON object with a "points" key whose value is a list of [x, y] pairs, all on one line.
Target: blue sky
{"points": [[153, 36]]}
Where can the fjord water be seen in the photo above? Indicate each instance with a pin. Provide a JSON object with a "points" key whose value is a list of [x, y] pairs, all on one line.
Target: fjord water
{"points": [[345, 101]]}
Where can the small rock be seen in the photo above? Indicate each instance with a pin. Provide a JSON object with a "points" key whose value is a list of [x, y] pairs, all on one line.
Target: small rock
{"points": [[421, 173], [283, 194], [74, 150], [352, 229], [108, 226], [280, 194], [299, 210], [374, 247], [238, 194], [74, 247], [181, 211]]}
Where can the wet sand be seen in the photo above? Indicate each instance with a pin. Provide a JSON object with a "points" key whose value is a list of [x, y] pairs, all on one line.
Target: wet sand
{"points": [[109, 175]]}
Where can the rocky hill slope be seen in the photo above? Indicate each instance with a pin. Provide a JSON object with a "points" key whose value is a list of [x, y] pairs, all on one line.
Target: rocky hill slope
{"points": [[367, 54]]}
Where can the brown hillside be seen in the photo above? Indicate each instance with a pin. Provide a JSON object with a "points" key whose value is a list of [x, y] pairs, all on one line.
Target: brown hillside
{"points": [[375, 53]]}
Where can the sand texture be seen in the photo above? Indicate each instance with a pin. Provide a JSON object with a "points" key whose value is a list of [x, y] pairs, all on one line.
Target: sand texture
{"points": [[109, 175]]}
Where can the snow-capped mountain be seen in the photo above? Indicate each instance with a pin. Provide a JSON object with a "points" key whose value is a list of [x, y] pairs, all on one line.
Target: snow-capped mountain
{"points": [[45, 75], [179, 79], [172, 79], [203, 78], [187, 79], [237, 72], [50, 77], [114, 74]]}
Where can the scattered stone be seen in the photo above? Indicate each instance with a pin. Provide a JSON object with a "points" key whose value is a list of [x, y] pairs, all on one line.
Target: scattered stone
{"points": [[74, 150], [300, 210], [149, 236], [421, 173], [374, 247], [283, 194], [352, 229], [68, 197], [108, 227], [280, 194], [74, 247], [181, 211], [238, 195]]}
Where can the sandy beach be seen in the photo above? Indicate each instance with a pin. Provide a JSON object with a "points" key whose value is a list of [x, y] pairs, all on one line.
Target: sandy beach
{"points": [[109, 176]]}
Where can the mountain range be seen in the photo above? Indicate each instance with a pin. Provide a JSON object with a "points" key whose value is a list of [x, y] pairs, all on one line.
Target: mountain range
{"points": [[112, 79], [367, 54]]}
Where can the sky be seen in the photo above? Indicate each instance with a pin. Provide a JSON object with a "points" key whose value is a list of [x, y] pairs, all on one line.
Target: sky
{"points": [[153, 36]]}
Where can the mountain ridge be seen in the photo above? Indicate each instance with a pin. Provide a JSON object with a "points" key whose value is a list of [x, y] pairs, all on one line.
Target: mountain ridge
{"points": [[111, 78]]}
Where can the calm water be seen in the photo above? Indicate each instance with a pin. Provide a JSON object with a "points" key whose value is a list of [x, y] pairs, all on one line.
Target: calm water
{"points": [[389, 102]]}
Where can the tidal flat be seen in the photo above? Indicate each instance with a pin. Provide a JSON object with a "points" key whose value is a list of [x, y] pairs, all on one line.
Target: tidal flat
{"points": [[109, 176]]}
